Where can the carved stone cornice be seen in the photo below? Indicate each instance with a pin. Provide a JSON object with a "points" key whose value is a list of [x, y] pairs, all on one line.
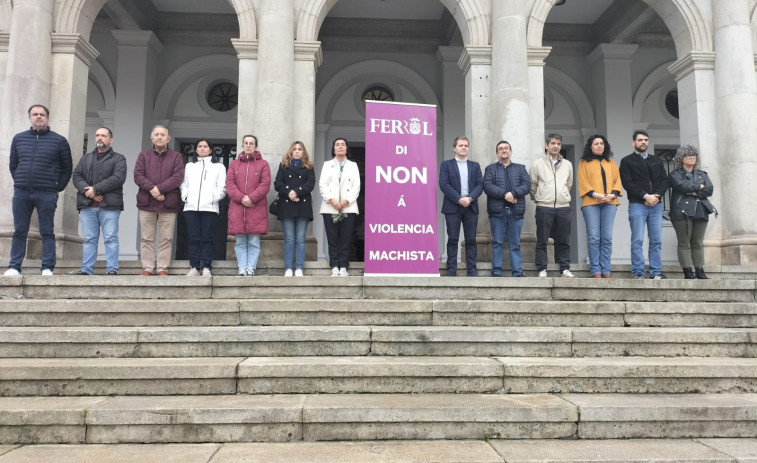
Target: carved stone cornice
{"points": [[74, 44], [537, 55], [694, 61], [246, 49], [5, 38], [475, 55], [138, 38], [308, 51]]}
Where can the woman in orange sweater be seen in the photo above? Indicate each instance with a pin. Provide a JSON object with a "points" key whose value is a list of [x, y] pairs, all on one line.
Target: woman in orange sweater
{"points": [[599, 189]]}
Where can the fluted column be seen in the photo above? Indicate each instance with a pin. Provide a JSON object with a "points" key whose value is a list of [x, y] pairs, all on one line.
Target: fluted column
{"points": [[736, 109], [27, 81]]}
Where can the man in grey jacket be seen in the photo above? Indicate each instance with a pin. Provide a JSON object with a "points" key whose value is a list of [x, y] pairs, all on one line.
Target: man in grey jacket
{"points": [[99, 179], [551, 181]]}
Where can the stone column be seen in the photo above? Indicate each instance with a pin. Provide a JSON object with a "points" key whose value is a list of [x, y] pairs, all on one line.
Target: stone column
{"points": [[135, 93], [308, 56], [736, 109], [72, 57], [613, 93], [453, 122], [476, 64], [27, 81], [274, 122], [695, 76], [321, 152], [247, 52]]}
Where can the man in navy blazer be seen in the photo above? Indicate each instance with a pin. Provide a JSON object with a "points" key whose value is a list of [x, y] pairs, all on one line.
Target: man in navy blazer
{"points": [[461, 182]]}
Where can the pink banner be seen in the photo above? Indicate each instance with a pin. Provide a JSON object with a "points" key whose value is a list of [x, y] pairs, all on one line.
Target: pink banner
{"points": [[400, 190]]}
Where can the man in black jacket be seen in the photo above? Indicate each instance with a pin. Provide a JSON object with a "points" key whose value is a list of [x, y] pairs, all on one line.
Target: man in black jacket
{"points": [[644, 177], [99, 179], [40, 164]]}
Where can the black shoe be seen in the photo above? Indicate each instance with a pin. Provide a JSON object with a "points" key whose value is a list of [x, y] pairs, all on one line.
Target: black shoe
{"points": [[639, 276], [700, 274], [659, 276], [688, 274], [496, 275], [113, 273], [81, 272], [519, 275]]}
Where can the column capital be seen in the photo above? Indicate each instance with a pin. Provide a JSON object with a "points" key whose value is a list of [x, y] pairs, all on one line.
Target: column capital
{"points": [[246, 49], [605, 51], [308, 51], [76, 45], [694, 61], [475, 55], [5, 38], [132, 38], [449, 54], [537, 55]]}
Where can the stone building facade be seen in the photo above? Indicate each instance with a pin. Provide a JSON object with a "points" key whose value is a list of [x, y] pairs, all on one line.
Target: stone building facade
{"points": [[684, 70]]}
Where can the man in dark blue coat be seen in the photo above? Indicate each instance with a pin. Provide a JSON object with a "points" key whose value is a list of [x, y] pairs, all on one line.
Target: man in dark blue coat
{"points": [[40, 163], [461, 182], [506, 185]]}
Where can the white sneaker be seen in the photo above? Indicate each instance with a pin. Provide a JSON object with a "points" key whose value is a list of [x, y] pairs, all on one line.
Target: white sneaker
{"points": [[335, 272], [298, 272], [543, 274], [288, 272], [567, 274], [343, 272], [47, 272], [250, 272], [242, 273], [193, 272], [12, 272], [206, 272]]}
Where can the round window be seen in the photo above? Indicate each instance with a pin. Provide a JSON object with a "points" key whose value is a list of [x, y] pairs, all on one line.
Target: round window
{"points": [[223, 96], [377, 93]]}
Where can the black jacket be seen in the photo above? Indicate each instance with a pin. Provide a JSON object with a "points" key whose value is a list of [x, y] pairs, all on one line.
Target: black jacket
{"points": [[107, 175], [494, 186], [683, 205], [302, 181], [641, 177], [40, 160]]}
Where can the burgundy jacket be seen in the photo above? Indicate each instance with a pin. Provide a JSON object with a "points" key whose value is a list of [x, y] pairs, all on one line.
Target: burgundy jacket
{"points": [[164, 170], [251, 176]]}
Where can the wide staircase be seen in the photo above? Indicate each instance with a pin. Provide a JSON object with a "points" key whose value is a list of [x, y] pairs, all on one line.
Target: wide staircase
{"points": [[318, 369]]}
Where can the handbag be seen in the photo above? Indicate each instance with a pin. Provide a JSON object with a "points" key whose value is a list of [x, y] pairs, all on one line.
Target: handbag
{"points": [[274, 207]]}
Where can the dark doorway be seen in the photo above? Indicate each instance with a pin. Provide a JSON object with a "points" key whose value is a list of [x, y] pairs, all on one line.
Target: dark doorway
{"points": [[357, 252], [225, 152]]}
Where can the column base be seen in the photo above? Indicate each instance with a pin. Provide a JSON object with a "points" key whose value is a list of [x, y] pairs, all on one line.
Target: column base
{"points": [[742, 254], [272, 247], [66, 246]]}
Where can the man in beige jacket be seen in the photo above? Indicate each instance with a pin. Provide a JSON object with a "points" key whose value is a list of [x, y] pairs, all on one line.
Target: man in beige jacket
{"points": [[551, 181]]}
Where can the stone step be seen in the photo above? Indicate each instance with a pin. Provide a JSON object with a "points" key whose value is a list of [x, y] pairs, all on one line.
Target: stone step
{"points": [[370, 417], [294, 341], [336, 375], [118, 376], [363, 312], [358, 287], [453, 451]]}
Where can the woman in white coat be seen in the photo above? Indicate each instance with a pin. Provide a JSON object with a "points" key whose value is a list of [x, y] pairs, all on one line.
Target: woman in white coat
{"points": [[339, 186], [203, 187]]}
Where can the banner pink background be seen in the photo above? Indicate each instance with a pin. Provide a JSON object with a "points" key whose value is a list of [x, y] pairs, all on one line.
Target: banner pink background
{"points": [[400, 190]]}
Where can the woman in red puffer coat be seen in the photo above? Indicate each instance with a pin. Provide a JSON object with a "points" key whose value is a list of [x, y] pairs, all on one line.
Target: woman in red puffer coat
{"points": [[247, 183]]}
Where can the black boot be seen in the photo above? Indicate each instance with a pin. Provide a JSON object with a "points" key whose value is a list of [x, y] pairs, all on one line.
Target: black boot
{"points": [[700, 274], [688, 274]]}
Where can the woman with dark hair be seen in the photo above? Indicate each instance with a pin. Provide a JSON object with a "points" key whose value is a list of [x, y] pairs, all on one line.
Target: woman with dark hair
{"points": [[294, 182], [202, 189], [599, 189], [339, 186], [248, 182], [690, 210]]}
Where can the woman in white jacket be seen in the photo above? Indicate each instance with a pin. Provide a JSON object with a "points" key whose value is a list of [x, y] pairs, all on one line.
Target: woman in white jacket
{"points": [[203, 187], [339, 186]]}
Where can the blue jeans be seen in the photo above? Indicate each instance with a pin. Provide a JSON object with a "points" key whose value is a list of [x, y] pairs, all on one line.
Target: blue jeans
{"points": [[24, 202], [294, 241], [247, 249], [640, 216], [506, 225], [92, 219], [201, 227], [599, 219]]}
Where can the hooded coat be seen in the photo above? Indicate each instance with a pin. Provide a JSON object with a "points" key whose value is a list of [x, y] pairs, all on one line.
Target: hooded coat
{"points": [[248, 175]]}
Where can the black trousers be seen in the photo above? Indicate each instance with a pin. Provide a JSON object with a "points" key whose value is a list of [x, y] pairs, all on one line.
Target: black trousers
{"points": [[339, 235], [553, 223], [469, 221]]}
